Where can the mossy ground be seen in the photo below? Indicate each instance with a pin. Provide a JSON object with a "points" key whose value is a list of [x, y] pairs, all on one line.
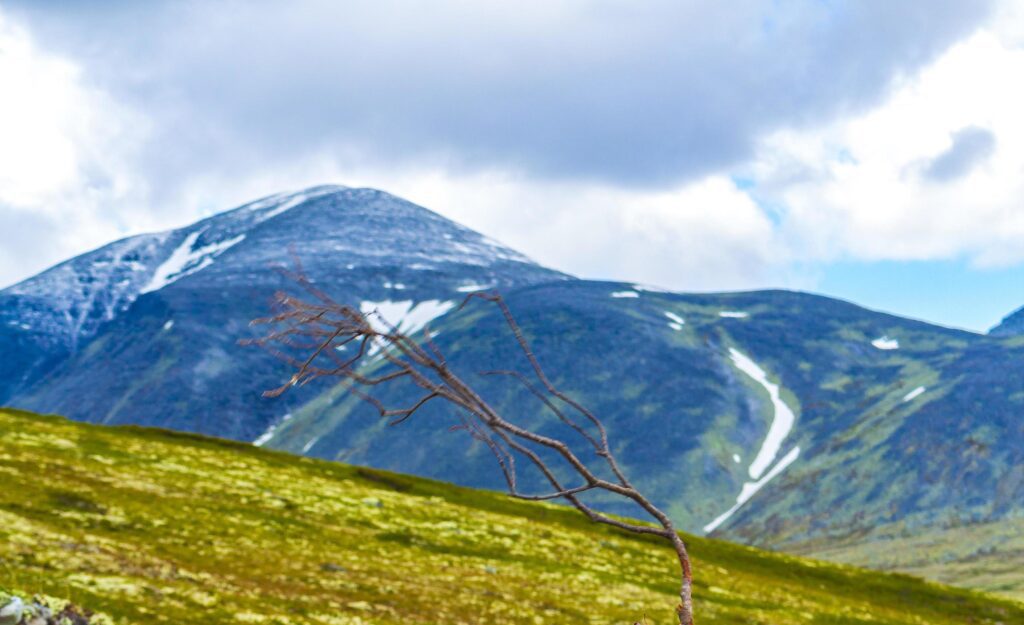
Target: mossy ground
{"points": [[150, 526], [985, 555]]}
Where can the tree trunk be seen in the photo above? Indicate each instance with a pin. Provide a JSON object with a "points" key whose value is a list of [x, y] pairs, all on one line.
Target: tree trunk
{"points": [[685, 608]]}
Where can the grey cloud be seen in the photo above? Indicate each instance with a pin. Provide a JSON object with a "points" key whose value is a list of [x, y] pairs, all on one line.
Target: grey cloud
{"points": [[20, 251], [971, 147], [632, 94]]}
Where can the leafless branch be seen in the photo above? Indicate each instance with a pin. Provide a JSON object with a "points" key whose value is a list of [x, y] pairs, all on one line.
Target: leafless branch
{"points": [[307, 335]]}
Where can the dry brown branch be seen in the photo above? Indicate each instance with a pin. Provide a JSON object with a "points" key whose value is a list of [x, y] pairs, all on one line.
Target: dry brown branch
{"points": [[307, 335]]}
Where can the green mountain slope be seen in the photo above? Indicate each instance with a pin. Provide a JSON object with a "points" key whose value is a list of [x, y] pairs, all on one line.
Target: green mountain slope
{"points": [[987, 556], [150, 526], [893, 420]]}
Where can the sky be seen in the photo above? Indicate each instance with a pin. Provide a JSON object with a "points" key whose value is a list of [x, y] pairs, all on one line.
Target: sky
{"points": [[869, 150]]}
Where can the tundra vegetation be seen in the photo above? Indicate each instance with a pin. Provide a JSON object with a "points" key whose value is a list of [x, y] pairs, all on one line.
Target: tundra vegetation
{"points": [[151, 526]]}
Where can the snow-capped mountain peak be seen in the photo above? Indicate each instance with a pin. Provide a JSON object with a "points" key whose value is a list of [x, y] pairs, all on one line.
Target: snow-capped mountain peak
{"points": [[378, 237]]}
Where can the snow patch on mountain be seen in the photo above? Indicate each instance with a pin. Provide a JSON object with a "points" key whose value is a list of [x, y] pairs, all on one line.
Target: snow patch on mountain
{"points": [[625, 294], [782, 422], [885, 343], [264, 438], [74, 298], [406, 316], [185, 260], [914, 394], [751, 488], [674, 317], [733, 314], [650, 289], [274, 205]]}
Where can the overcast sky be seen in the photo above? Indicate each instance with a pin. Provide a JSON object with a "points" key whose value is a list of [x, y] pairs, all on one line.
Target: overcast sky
{"points": [[872, 150]]}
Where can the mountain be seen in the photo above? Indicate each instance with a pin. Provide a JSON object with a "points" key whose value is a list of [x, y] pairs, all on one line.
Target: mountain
{"points": [[1011, 325], [149, 526], [145, 330], [782, 419], [779, 419]]}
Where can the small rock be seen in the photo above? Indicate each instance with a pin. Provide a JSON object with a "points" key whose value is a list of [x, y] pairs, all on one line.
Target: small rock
{"points": [[10, 614]]}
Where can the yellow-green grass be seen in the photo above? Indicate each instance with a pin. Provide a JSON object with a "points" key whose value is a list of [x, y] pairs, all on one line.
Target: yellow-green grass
{"points": [[986, 556], [150, 526]]}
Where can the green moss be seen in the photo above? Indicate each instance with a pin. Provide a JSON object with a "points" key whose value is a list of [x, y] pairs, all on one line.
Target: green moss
{"points": [[158, 527]]}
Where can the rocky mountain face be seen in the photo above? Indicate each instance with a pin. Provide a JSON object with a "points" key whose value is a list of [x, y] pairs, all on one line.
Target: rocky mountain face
{"points": [[777, 418], [145, 330]]}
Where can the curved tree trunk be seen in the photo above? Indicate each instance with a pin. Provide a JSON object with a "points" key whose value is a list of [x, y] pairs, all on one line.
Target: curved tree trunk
{"points": [[685, 609]]}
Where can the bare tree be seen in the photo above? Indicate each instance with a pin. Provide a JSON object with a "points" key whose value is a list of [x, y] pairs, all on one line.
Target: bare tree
{"points": [[309, 334]]}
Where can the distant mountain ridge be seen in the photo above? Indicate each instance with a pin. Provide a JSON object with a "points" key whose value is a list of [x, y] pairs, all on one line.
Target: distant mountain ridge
{"points": [[1011, 325], [777, 418]]}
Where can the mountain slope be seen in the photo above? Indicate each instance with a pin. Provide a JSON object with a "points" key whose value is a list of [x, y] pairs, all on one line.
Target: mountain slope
{"points": [[780, 419], [145, 330], [1011, 325], [157, 527]]}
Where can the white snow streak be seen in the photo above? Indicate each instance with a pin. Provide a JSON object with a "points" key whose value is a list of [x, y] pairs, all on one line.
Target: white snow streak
{"points": [[625, 294], [473, 288], [914, 394], [185, 261], [403, 315], [885, 343], [650, 289], [266, 436], [168, 325], [751, 488], [733, 314], [675, 321], [782, 423], [282, 202], [292, 203], [423, 313]]}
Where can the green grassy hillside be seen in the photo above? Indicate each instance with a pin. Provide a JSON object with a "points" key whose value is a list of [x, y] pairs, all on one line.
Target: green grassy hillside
{"points": [[154, 527], [987, 556]]}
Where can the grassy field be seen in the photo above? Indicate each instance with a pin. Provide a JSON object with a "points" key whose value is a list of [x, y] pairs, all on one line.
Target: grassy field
{"points": [[987, 556], [149, 526]]}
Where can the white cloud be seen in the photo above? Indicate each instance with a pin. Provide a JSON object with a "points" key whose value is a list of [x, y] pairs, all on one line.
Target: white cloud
{"points": [[80, 165], [863, 188], [64, 154], [700, 236]]}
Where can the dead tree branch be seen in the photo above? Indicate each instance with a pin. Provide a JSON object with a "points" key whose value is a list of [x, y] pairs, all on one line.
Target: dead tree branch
{"points": [[308, 335]]}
